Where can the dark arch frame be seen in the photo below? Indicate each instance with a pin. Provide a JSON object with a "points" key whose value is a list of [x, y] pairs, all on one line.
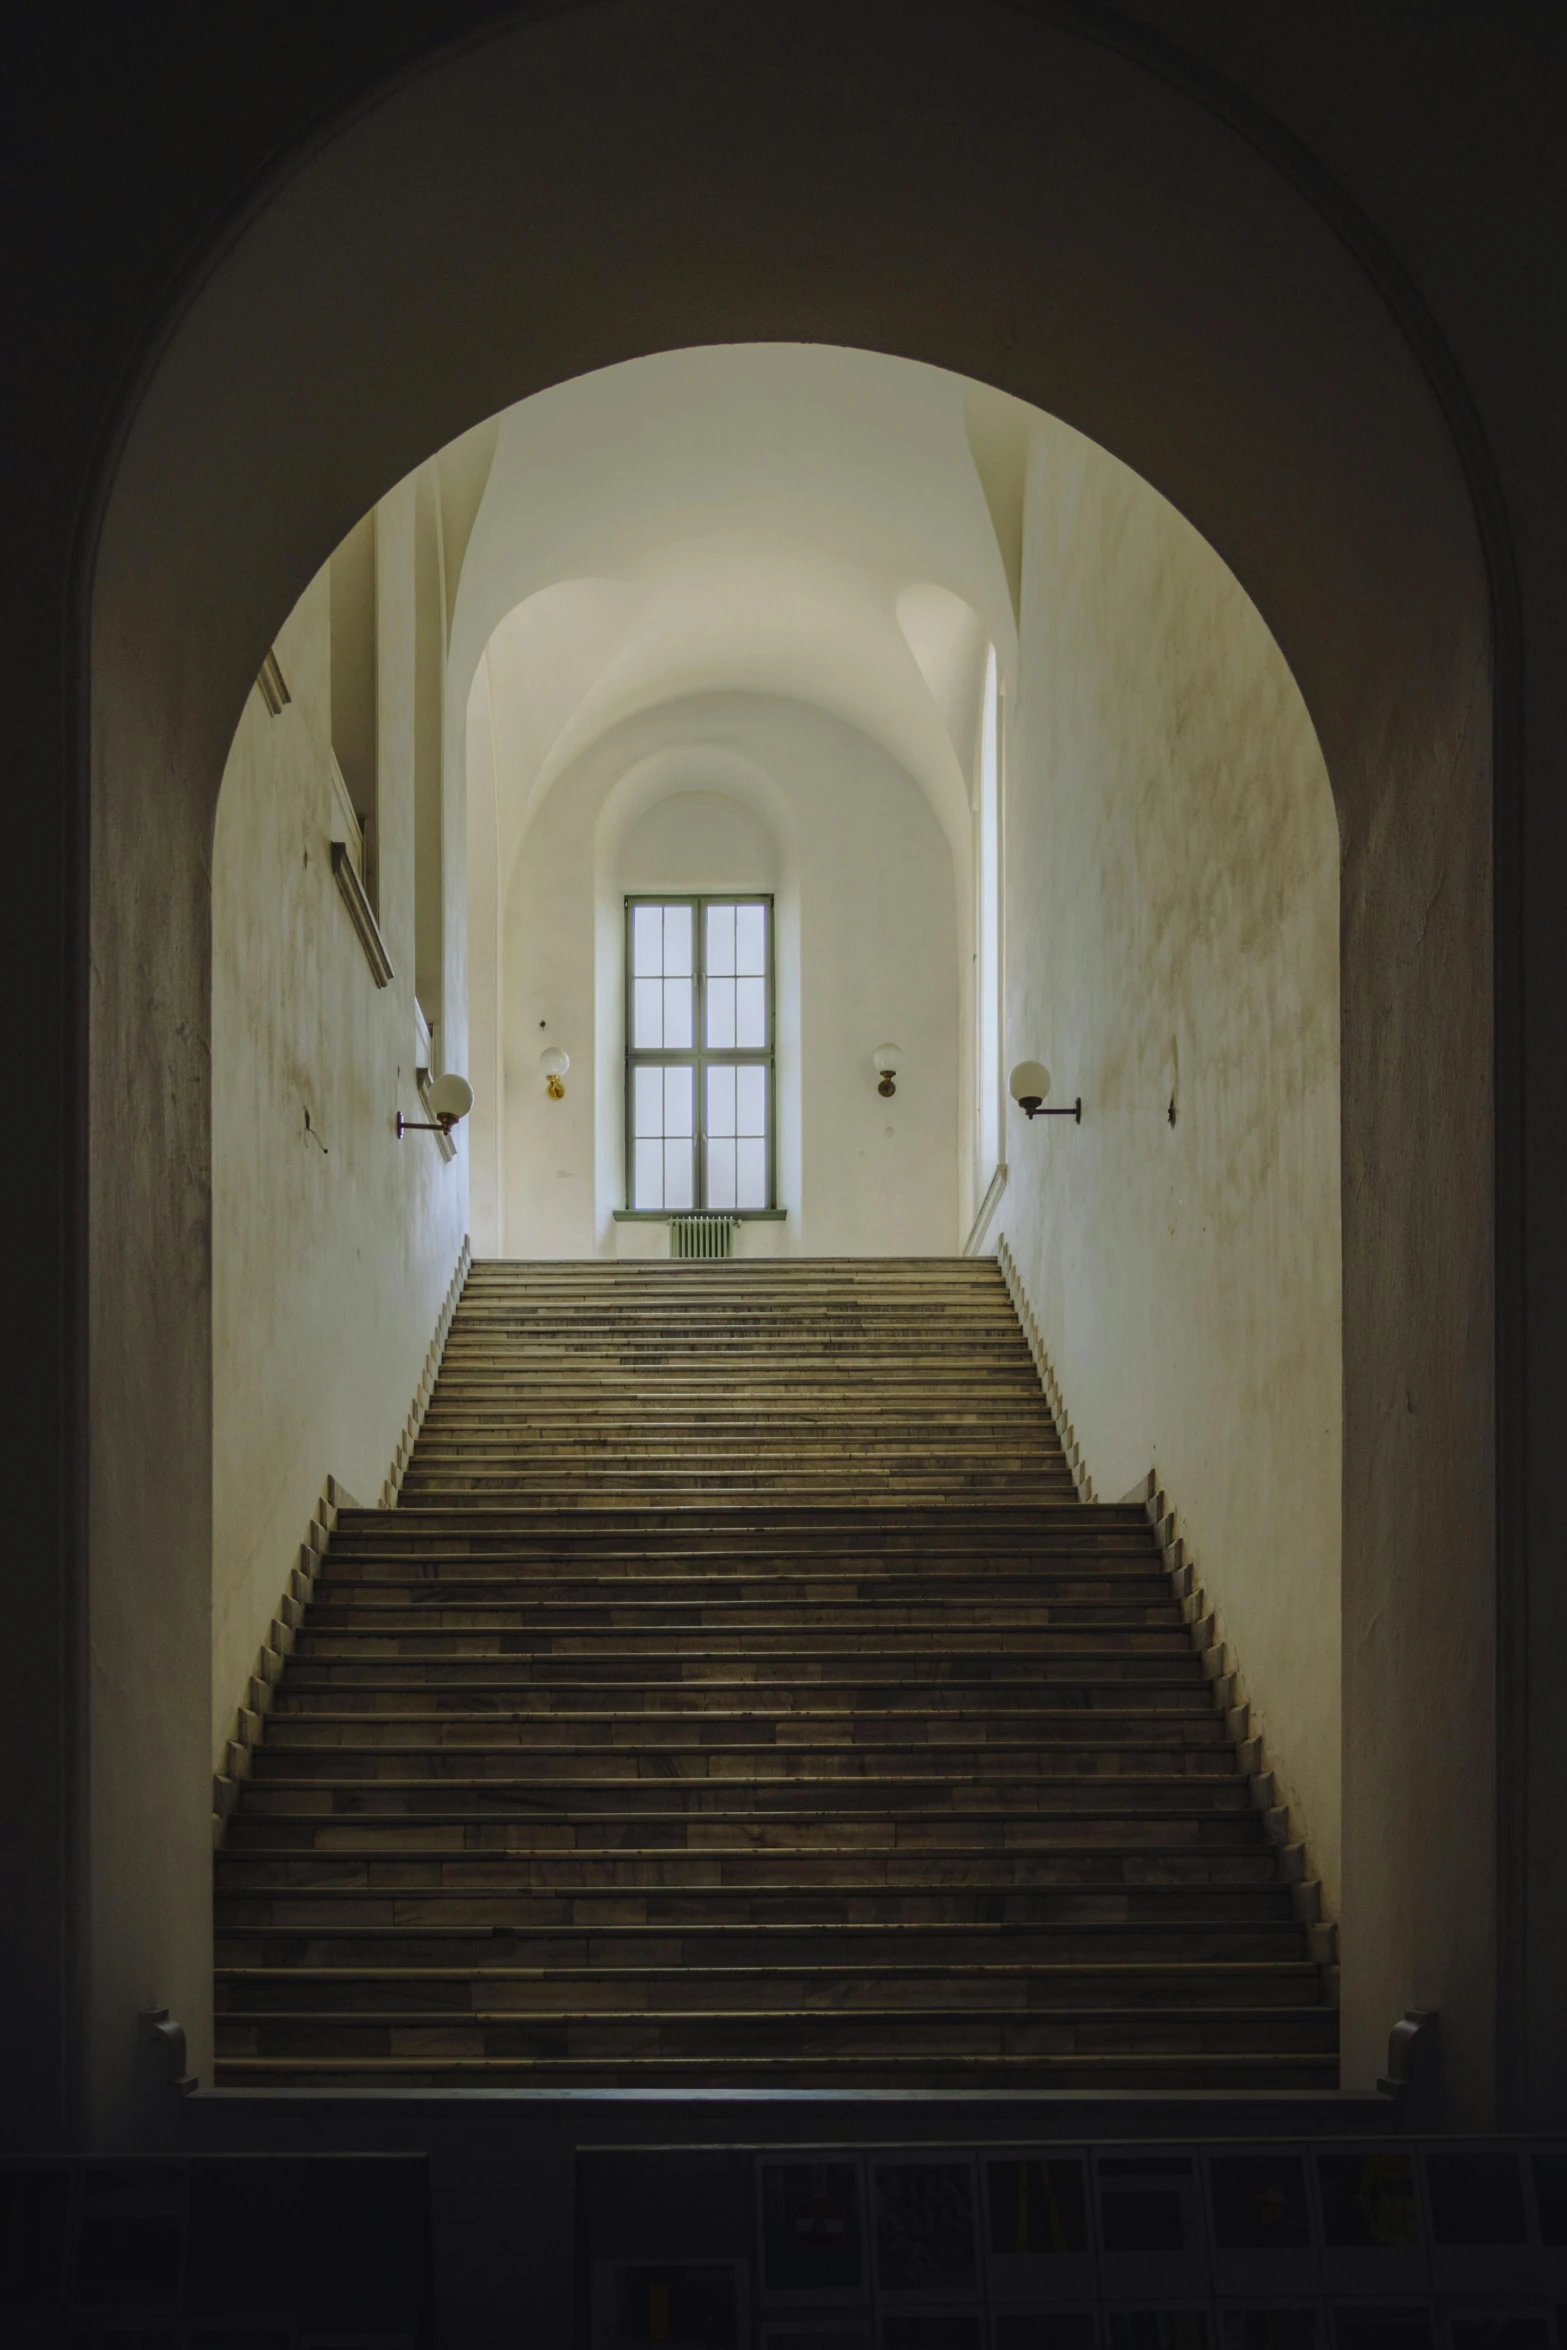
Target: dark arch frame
{"points": [[1243, 341]]}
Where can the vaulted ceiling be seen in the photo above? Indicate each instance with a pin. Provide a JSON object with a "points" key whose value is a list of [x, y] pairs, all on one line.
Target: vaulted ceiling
{"points": [[830, 525]]}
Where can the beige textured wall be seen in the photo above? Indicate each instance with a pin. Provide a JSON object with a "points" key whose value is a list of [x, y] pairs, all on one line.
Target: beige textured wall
{"points": [[866, 950], [1173, 929], [328, 1264]]}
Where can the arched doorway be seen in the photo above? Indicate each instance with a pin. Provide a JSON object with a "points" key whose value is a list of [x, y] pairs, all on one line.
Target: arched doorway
{"points": [[998, 194]]}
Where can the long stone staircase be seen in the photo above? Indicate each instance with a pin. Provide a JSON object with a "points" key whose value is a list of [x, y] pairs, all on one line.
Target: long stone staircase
{"points": [[740, 1696]]}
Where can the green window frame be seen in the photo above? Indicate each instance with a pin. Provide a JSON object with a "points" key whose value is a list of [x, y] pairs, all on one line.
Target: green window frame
{"points": [[701, 1123]]}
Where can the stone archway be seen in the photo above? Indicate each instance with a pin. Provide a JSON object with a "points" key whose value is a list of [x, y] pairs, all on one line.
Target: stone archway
{"points": [[990, 190]]}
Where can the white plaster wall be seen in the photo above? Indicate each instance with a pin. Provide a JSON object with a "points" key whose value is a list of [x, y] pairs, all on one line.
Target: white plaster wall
{"points": [[1172, 928], [866, 948], [329, 1263]]}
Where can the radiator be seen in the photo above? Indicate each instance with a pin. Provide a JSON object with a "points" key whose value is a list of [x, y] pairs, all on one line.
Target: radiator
{"points": [[702, 1236]]}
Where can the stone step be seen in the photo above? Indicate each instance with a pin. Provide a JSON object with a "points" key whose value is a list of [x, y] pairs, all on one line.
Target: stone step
{"points": [[305, 1753], [536, 1794], [846, 1524], [1193, 1830], [1244, 2074], [1179, 1911], [465, 1583], [839, 1527], [407, 1545], [652, 1487], [1167, 1987], [1146, 1680], [410, 1869], [603, 2034], [512, 1637], [1123, 1680], [810, 1701], [379, 1607], [367, 1946], [815, 1461], [740, 1732]]}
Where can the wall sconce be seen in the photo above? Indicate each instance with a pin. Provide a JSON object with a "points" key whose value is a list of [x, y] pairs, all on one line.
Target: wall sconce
{"points": [[450, 1097], [554, 1064], [1029, 1084], [884, 1060]]}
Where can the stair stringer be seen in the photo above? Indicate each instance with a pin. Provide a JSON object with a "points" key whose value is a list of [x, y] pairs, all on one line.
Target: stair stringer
{"points": [[1229, 1695], [427, 1378], [1219, 1666], [257, 1701], [1046, 1369]]}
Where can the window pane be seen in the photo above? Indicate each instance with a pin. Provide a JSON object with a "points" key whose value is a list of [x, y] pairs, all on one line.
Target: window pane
{"points": [[751, 940], [720, 1014], [720, 942], [647, 942], [751, 1174], [720, 1174], [647, 1015], [677, 1101], [677, 942], [649, 1175], [677, 1014], [750, 1011], [679, 1182], [720, 1101], [750, 1099], [648, 1102]]}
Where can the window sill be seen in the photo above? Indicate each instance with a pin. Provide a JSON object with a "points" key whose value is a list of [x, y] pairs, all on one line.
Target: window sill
{"points": [[668, 1215]]}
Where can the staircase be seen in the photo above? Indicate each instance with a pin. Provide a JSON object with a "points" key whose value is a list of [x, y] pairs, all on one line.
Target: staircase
{"points": [[740, 1695]]}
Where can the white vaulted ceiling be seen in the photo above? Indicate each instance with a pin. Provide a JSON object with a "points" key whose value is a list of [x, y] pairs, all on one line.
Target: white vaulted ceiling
{"points": [[771, 518]]}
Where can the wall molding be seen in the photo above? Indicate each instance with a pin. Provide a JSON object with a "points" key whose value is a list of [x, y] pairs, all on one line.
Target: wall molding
{"points": [[427, 1378], [273, 685], [360, 912], [1046, 1369], [257, 1701], [1229, 1694]]}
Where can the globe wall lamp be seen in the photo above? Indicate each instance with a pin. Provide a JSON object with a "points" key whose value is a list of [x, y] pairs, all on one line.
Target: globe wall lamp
{"points": [[884, 1060], [450, 1097], [554, 1064], [1029, 1084]]}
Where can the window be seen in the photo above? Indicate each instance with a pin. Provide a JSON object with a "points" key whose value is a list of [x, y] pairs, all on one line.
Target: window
{"points": [[699, 1054]]}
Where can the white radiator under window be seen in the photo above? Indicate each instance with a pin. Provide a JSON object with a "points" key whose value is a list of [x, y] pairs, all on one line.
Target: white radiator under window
{"points": [[702, 1236]]}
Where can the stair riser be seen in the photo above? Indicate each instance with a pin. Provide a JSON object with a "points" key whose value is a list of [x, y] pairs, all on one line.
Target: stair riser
{"points": [[1068, 1742], [1135, 1681], [771, 1766], [1184, 1930], [242, 1876], [819, 1707], [612, 1833], [859, 2036], [271, 1795], [1135, 2076], [1062, 1991]]}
